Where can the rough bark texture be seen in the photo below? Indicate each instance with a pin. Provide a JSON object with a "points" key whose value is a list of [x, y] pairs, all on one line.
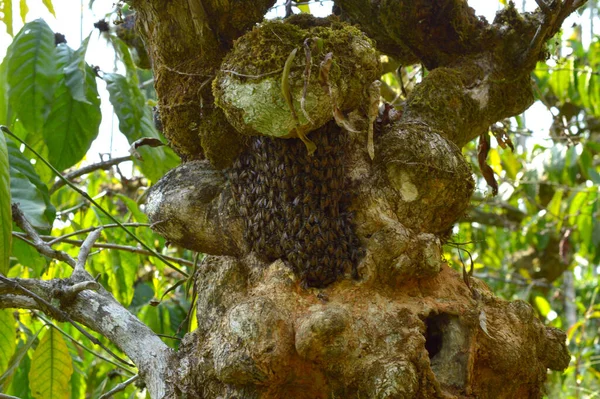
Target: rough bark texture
{"points": [[397, 322]]}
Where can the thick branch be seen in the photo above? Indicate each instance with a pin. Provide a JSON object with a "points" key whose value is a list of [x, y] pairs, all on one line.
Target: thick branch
{"points": [[100, 312]]}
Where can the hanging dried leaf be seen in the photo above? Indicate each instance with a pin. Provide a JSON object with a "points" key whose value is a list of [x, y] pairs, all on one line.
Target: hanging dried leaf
{"points": [[486, 171]]}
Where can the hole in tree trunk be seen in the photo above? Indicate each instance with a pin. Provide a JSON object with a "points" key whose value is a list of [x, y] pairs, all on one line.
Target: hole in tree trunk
{"points": [[447, 342], [434, 336]]}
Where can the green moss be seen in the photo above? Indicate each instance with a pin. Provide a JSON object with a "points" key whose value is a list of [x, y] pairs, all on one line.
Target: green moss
{"points": [[248, 85], [440, 99]]}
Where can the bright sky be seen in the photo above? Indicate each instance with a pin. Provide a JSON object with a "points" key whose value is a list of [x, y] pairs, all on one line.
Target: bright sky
{"points": [[75, 20]]}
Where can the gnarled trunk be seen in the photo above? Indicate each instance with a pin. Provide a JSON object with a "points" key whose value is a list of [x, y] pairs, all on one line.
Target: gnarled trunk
{"points": [[325, 276]]}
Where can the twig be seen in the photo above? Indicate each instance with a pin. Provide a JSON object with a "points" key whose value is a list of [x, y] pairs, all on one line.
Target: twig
{"points": [[543, 6], [104, 245], [82, 346], [60, 315], [84, 252], [243, 75], [119, 387], [5, 396], [40, 245], [90, 199], [90, 229], [88, 169]]}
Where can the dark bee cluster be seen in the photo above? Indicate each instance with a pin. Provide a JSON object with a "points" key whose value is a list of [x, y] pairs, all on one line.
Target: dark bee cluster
{"points": [[294, 206]]}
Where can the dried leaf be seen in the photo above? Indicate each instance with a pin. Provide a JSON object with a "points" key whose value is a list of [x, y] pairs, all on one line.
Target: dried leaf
{"points": [[486, 171], [149, 141], [307, 55], [374, 96]]}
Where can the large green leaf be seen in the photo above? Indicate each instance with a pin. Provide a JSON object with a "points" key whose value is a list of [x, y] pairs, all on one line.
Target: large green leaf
{"points": [[75, 69], [51, 367], [5, 208], [8, 337], [28, 190], [32, 74], [135, 121], [72, 124]]}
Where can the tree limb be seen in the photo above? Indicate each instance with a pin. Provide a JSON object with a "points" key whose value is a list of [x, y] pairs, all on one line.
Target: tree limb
{"points": [[88, 169], [100, 312]]}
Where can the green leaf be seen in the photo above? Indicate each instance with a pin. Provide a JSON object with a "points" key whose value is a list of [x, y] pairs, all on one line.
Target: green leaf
{"points": [[19, 386], [7, 15], [51, 367], [49, 6], [8, 337], [23, 10], [554, 208], [561, 79], [5, 208], [28, 190], [542, 305], [125, 56], [72, 124], [3, 96], [121, 275], [17, 358], [29, 257], [78, 384], [75, 69], [32, 74], [135, 122]]}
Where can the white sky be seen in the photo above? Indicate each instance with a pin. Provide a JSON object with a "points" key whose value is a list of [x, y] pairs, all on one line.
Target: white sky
{"points": [[75, 20]]}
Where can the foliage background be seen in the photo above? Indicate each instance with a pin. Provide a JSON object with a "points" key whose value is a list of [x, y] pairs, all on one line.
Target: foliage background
{"points": [[538, 240]]}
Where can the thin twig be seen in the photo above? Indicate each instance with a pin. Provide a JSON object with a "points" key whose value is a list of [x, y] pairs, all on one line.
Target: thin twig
{"points": [[243, 75], [40, 245], [103, 245], [85, 231], [119, 387], [88, 169], [60, 315], [90, 199]]}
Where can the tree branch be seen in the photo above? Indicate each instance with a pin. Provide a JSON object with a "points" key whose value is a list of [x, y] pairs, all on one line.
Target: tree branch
{"points": [[104, 165], [100, 312], [120, 387], [40, 245]]}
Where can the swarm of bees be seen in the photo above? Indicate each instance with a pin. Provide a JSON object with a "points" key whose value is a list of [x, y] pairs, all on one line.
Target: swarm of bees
{"points": [[294, 205]]}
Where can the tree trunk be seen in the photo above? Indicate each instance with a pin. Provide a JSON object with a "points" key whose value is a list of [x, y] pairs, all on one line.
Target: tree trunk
{"points": [[323, 220]]}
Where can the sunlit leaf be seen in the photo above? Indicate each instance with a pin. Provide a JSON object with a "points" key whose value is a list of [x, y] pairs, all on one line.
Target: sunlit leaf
{"points": [[23, 10], [19, 386], [51, 367], [15, 361], [8, 337], [49, 6], [561, 78], [32, 74], [7, 15], [5, 208], [542, 305]]}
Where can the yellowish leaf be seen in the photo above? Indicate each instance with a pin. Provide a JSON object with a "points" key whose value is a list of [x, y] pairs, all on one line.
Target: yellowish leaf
{"points": [[51, 368]]}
